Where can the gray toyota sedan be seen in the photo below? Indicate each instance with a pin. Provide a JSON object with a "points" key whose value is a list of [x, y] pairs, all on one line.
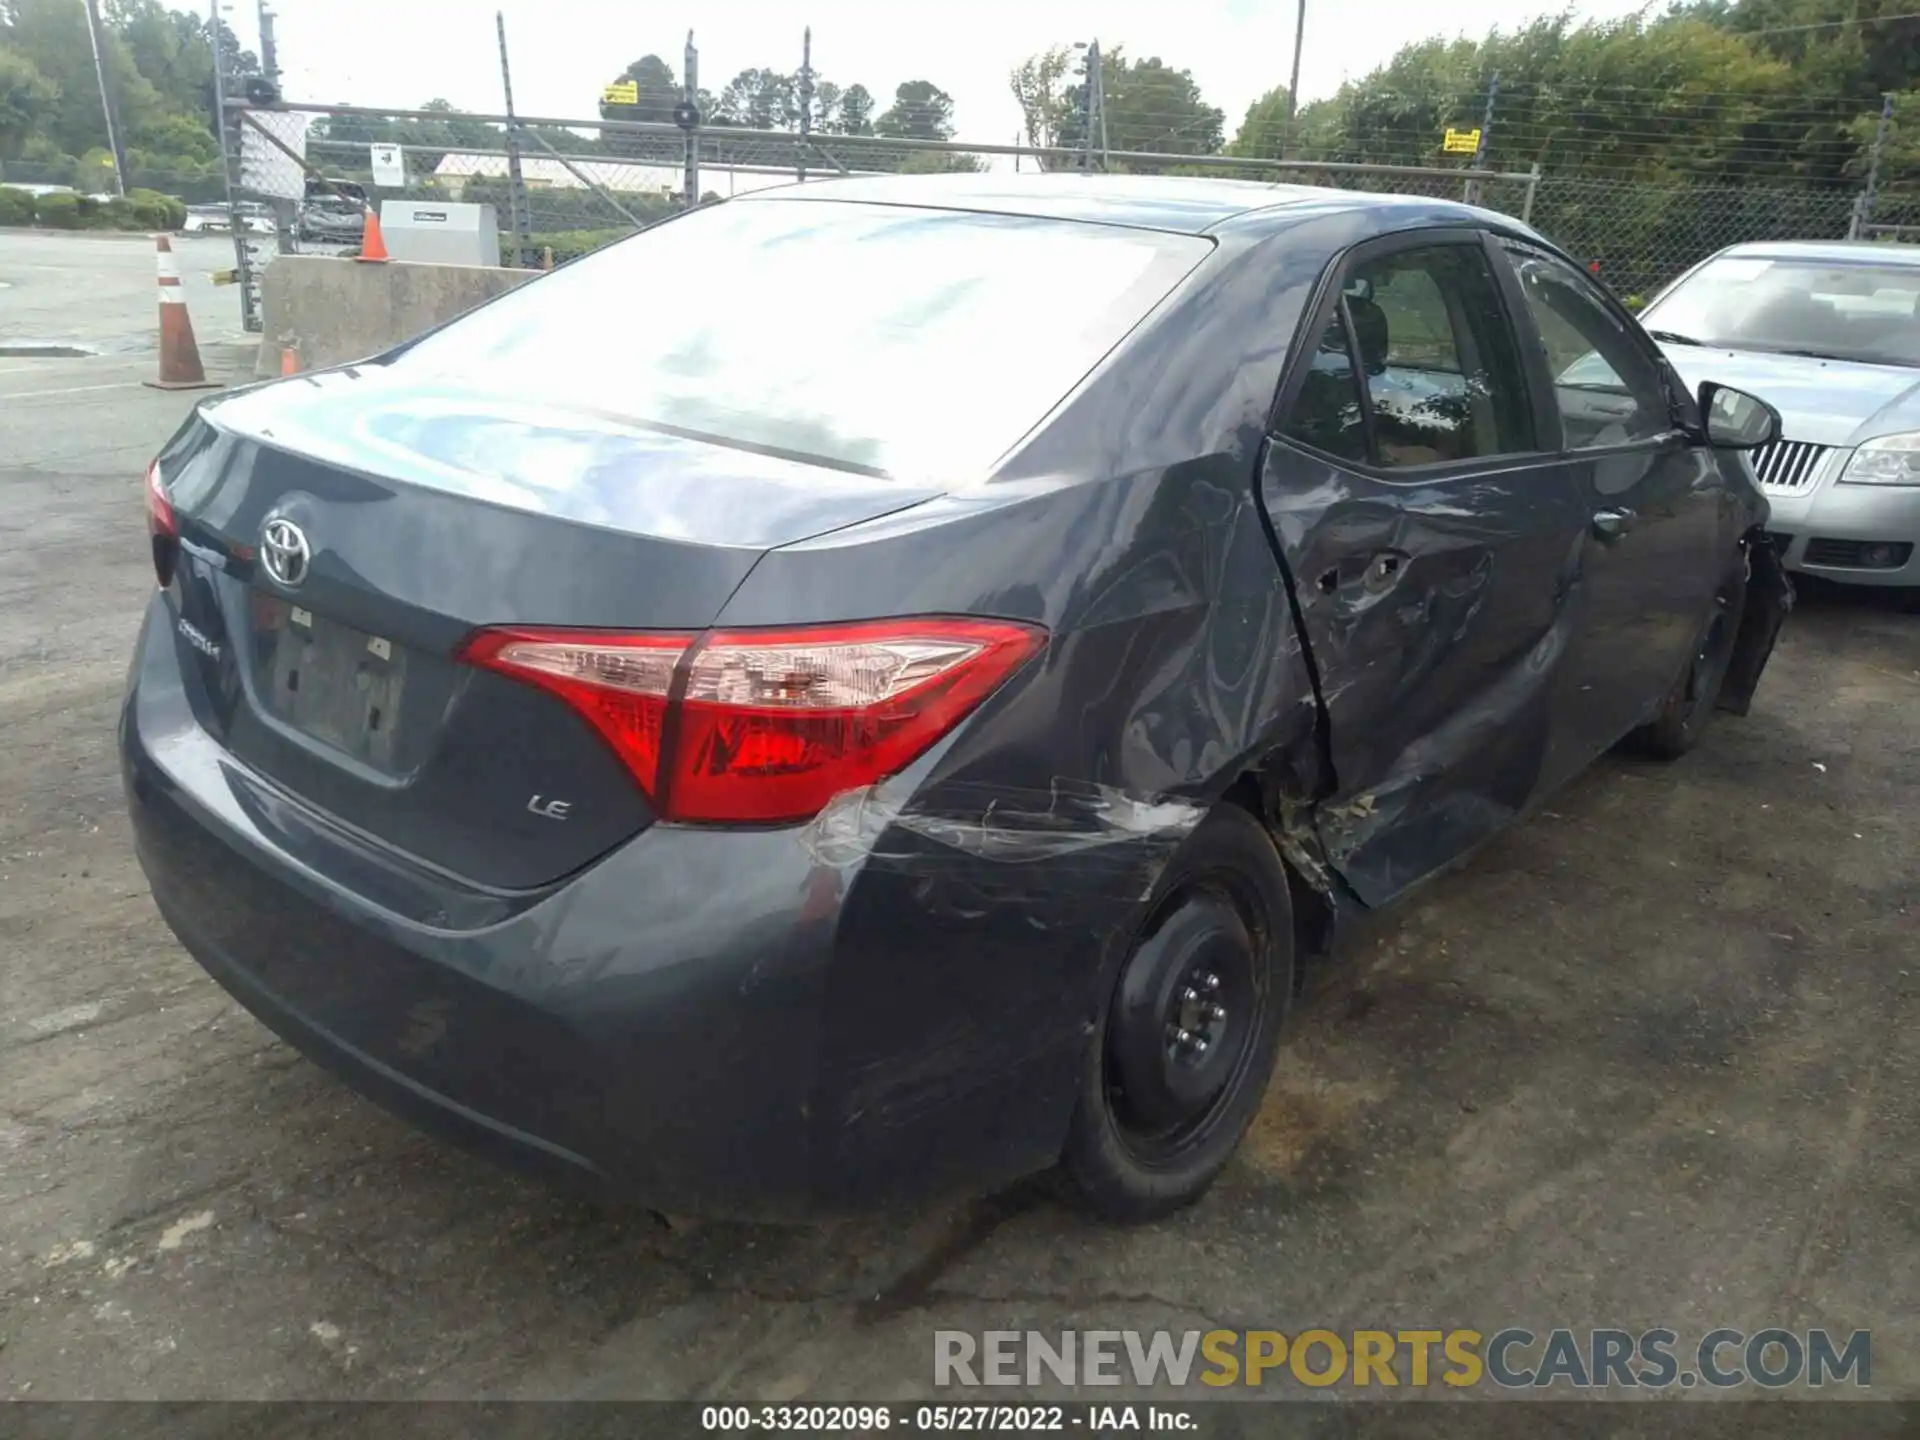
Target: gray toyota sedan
{"points": [[1829, 334], [875, 688]]}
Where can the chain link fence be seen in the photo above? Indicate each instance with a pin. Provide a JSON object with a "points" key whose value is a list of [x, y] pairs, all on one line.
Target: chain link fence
{"points": [[583, 183], [1641, 236]]}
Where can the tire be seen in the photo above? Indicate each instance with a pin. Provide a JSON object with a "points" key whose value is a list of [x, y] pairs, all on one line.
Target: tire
{"points": [[1158, 1115], [1690, 704]]}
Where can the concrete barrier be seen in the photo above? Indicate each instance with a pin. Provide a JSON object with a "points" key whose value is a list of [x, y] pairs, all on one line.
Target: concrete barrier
{"points": [[339, 310]]}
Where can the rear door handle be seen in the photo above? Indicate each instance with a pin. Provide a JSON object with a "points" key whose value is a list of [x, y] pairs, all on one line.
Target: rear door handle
{"points": [[1612, 524]]}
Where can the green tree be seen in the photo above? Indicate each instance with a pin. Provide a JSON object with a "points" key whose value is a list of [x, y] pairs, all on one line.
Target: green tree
{"points": [[171, 51], [855, 116], [1860, 49], [463, 131], [1900, 152], [827, 100], [27, 100], [1151, 106], [52, 36], [1708, 93], [921, 110], [659, 92], [159, 64], [177, 137], [759, 99], [1263, 126], [1036, 84]]}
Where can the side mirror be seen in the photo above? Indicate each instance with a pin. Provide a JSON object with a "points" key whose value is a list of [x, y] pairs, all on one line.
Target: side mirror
{"points": [[1736, 420]]}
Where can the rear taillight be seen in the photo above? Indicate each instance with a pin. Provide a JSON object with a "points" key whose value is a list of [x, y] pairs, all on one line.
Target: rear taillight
{"points": [[619, 683], [766, 725], [773, 724], [163, 527]]}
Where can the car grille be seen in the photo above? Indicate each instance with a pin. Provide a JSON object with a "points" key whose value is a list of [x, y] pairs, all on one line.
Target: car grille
{"points": [[1788, 465], [1857, 554]]}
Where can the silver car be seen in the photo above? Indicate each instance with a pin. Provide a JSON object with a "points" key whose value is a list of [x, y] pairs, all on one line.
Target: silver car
{"points": [[1828, 332]]}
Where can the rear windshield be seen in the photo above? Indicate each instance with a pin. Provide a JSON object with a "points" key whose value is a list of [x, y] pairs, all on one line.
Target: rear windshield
{"points": [[1835, 309], [905, 341]]}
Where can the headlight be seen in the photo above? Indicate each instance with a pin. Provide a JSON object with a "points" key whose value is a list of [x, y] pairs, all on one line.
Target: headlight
{"points": [[1888, 460]]}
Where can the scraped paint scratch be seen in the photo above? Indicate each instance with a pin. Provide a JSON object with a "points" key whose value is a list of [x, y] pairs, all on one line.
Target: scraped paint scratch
{"points": [[66, 1019], [174, 1234]]}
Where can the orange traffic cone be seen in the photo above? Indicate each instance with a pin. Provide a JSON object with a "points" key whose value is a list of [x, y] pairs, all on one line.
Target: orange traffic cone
{"points": [[290, 358], [373, 245], [180, 367]]}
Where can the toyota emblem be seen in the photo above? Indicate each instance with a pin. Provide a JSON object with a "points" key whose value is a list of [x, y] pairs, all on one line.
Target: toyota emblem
{"points": [[283, 549]]}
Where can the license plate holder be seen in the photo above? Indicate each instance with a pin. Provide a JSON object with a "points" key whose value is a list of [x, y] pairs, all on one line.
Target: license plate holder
{"points": [[340, 685]]}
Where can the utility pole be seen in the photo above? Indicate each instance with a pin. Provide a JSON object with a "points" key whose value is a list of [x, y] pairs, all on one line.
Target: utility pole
{"points": [[690, 112], [269, 52], [1863, 210], [1293, 81], [1486, 132], [284, 210], [107, 107], [516, 181], [250, 319], [1100, 102], [806, 103], [1089, 100]]}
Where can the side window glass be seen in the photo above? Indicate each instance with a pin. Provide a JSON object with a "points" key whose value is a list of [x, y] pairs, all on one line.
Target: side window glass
{"points": [[1327, 415], [1440, 362], [1608, 391]]}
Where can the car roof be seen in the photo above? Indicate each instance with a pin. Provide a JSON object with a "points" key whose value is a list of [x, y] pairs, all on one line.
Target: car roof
{"points": [[1844, 250], [1181, 204]]}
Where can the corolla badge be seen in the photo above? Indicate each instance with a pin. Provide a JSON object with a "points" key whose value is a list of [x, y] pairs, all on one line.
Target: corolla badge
{"points": [[283, 550]]}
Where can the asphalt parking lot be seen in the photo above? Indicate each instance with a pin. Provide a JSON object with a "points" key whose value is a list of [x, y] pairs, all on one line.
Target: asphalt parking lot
{"points": [[1653, 1058], [96, 291]]}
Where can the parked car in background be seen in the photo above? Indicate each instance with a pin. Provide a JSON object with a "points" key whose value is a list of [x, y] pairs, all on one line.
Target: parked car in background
{"points": [[256, 219], [207, 219], [771, 789], [327, 216], [1827, 332]]}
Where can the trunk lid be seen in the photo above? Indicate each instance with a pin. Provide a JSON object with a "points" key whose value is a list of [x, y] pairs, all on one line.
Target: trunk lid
{"points": [[408, 516]]}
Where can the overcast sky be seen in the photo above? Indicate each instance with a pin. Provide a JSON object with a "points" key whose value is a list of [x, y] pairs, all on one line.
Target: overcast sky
{"points": [[401, 52]]}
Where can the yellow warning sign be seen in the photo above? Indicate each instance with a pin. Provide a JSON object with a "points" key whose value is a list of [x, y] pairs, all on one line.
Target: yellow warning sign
{"points": [[627, 92], [1461, 142]]}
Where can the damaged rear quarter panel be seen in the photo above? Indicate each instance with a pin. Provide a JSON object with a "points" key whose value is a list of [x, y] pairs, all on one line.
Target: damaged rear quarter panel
{"points": [[1129, 527], [1032, 837]]}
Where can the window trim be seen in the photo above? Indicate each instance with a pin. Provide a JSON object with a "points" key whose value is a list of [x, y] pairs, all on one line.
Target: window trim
{"points": [[1329, 294], [1512, 247]]}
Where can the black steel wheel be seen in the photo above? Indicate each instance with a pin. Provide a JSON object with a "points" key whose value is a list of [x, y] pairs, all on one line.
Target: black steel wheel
{"points": [[1188, 1033]]}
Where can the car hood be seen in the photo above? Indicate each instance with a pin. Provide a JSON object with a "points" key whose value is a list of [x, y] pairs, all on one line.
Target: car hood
{"points": [[1825, 402]]}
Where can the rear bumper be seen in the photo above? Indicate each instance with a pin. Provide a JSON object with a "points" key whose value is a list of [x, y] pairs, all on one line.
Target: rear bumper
{"points": [[1832, 512], [710, 1021]]}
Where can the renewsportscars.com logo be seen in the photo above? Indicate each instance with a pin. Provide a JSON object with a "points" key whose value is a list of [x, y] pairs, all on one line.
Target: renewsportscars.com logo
{"points": [[1512, 1359]]}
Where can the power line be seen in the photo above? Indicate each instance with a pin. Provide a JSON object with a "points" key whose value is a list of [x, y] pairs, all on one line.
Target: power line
{"points": [[1829, 24]]}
